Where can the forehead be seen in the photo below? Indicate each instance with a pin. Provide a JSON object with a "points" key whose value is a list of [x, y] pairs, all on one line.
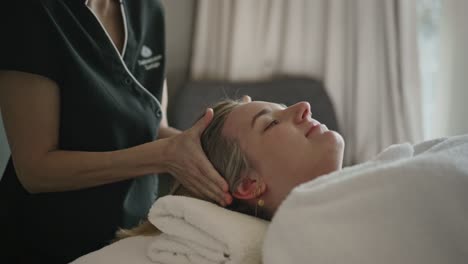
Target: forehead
{"points": [[240, 117]]}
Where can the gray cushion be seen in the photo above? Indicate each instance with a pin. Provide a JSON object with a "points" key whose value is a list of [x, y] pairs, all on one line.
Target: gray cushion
{"points": [[192, 99]]}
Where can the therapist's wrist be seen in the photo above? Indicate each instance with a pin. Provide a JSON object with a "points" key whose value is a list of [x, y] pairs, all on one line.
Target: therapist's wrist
{"points": [[159, 156]]}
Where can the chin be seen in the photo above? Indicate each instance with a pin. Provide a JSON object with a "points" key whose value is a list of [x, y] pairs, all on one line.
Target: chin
{"points": [[336, 147], [335, 139]]}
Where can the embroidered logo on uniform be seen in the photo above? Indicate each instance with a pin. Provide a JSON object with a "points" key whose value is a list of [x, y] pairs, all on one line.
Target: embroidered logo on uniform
{"points": [[146, 52], [149, 61]]}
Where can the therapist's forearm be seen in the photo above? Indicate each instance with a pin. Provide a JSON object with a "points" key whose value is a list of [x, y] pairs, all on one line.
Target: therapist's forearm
{"points": [[61, 170]]}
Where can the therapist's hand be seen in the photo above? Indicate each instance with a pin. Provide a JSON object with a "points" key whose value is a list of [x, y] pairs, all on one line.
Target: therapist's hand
{"points": [[189, 165]]}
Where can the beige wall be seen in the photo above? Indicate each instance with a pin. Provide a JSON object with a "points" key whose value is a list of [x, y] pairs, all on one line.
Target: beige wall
{"points": [[179, 26]]}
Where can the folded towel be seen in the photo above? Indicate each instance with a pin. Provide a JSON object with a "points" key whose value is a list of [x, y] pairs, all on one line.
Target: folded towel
{"points": [[196, 231], [408, 205], [125, 251]]}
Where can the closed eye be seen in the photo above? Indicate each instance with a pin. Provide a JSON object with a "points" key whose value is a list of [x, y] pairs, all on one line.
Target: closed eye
{"points": [[271, 124]]}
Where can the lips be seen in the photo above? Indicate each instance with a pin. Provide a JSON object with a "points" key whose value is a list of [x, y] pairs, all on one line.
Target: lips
{"points": [[312, 129]]}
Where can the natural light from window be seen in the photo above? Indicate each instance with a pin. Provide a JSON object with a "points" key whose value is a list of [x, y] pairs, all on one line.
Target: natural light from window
{"points": [[429, 43]]}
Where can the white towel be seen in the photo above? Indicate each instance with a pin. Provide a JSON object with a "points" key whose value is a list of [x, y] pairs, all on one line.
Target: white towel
{"points": [[125, 251], [408, 205], [195, 231]]}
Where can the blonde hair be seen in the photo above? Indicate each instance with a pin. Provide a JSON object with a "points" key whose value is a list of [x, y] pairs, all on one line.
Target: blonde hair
{"points": [[224, 153]]}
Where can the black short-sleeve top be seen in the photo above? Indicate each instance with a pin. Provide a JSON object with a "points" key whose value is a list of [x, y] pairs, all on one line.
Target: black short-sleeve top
{"points": [[108, 101]]}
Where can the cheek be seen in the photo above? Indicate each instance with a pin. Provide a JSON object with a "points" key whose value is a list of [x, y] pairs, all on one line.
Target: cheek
{"points": [[276, 141], [280, 149]]}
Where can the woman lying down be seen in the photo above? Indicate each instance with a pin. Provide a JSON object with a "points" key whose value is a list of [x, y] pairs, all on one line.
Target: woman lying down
{"points": [[409, 204]]}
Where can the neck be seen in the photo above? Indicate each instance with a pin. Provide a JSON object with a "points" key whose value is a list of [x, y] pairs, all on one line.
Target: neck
{"points": [[272, 202], [274, 198]]}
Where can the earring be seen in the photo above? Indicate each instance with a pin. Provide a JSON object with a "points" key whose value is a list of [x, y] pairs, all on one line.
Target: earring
{"points": [[260, 202]]}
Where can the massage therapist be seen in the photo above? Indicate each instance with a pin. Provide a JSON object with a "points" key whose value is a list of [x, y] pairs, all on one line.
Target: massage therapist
{"points": [[83, 100]]}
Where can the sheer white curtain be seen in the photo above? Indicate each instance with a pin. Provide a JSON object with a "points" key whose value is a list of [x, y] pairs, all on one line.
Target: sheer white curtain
{"points": [[364, 50], [451, 90]]}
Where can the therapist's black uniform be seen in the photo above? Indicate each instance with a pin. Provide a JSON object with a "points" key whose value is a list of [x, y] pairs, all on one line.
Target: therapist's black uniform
{"points": [[107, 102]]}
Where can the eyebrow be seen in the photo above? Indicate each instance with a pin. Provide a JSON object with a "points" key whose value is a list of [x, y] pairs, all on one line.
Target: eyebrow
{"points": [[262, 112]]}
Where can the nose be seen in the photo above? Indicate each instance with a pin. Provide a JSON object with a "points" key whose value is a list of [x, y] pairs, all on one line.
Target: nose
{"points": [[301, 111]]}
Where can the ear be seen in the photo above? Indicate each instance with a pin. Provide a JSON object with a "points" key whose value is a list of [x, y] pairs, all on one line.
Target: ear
{"points": [[249, 188]]}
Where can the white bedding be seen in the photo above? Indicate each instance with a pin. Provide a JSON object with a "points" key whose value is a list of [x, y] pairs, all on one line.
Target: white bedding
{"points": [[131, 250], [408, 205]]}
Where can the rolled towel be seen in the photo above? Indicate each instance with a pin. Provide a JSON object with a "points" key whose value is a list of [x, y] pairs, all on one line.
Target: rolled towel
{"points": [[196, 231]]}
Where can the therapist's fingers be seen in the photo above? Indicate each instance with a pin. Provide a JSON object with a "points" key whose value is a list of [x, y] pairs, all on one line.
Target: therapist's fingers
{"points": [[208, 189], [210, 183], [211, 188], [203, 122], [190, 166], [187, 171], [205, 165], [246, 99]]}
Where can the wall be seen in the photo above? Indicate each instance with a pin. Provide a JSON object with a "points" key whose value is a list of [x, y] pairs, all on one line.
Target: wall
{"points": [[179, 16]]}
